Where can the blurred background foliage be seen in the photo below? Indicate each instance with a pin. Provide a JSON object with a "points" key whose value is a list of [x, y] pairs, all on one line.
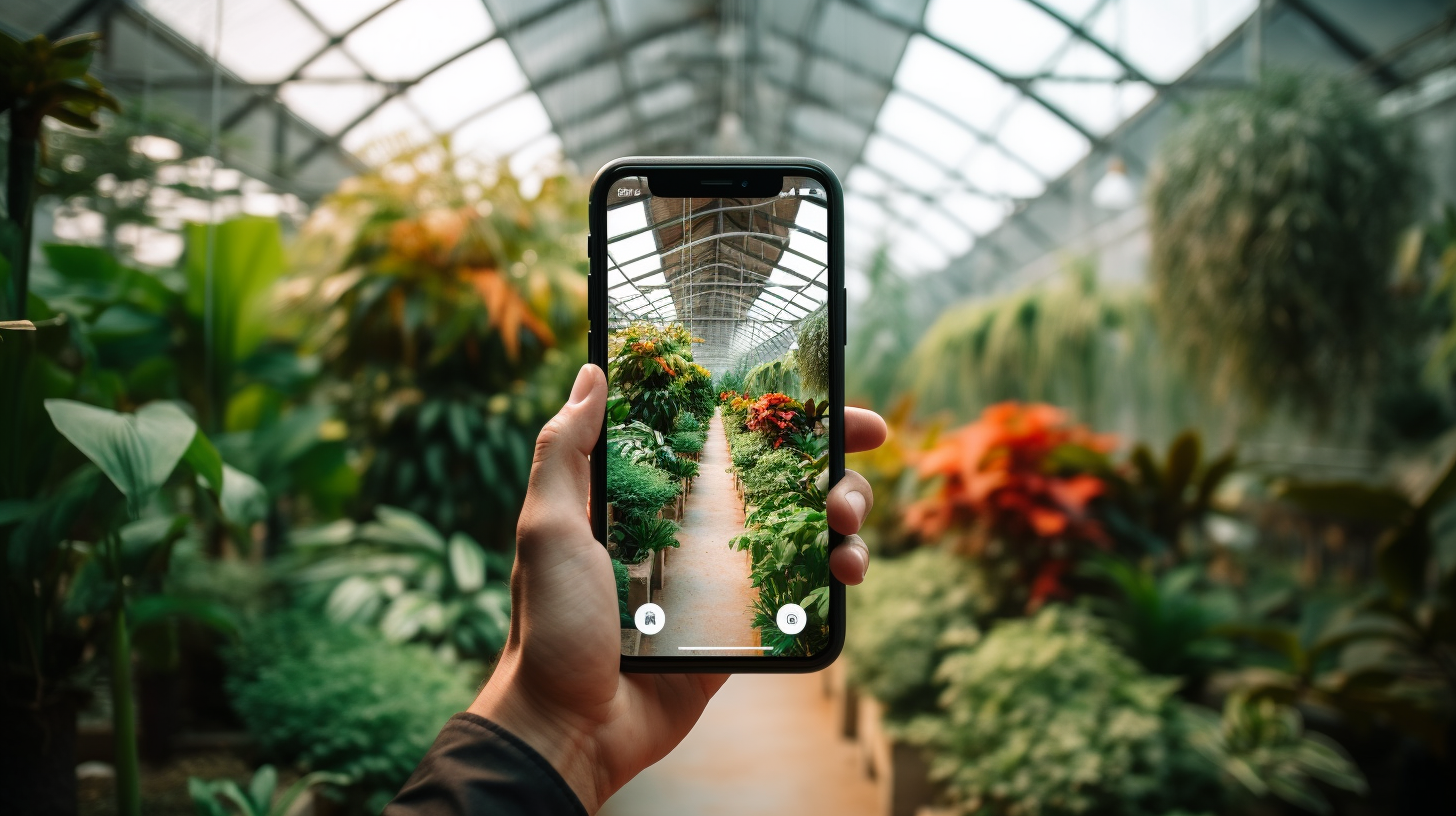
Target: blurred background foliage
{"points": [[1083, 525]]}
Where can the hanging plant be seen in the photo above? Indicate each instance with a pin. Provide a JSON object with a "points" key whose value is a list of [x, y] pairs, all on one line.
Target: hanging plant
{"points": [[813, 357], [1274, 214]]}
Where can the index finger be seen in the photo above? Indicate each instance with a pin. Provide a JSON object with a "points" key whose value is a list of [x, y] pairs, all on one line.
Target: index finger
{"points": [[863, 430]]}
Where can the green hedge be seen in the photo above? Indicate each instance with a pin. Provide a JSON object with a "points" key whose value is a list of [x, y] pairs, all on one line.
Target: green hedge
{"points": [[635, 489], [342, 699]]}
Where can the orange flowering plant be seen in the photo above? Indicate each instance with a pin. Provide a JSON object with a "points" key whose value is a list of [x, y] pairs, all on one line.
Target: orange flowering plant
{"points": [[775, 416], [1001, 482]]}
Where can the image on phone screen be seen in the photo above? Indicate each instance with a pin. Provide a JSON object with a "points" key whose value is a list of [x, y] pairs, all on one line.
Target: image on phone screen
{"points": [[718, 420]]}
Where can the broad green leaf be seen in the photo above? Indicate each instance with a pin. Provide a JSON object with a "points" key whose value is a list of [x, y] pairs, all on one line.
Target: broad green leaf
{"points": [[467, 563], [405, 616], [151, 609], [136, 451], [405, 527], [145, 542], [243, 499], [204, 459], [313, 780], [355, 600], [260, 790]]}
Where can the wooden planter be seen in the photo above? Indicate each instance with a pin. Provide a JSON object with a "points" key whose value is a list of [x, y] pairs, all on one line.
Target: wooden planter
{"points": [[639, 585], [659, 569], [631, 641], [900, 768]]}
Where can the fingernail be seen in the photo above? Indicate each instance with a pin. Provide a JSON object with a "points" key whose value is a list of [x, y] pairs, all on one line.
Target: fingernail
{"points": [[581, 387], [857, 503]]}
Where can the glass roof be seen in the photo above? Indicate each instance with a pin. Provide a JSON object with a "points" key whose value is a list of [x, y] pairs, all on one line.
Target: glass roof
{"points": [[945, 118], [939, 115]]}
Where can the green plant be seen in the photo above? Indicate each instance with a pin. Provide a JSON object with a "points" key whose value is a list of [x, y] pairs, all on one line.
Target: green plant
{"points": [[1046, 716], [640, 443], [138, 454], [776, 472], [789, 550], [745, 449], [619, 573], [906, 617], [638, 537], [778, 375], [342, 699], [812, 360], [1274, 213], [40, 80], [637, 490], [219, 797], [1163, 623], [687, 441], [402, 576], [1263, 748]]}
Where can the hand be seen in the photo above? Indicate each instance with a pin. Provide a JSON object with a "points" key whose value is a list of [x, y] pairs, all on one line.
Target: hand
{"points": [[558, 683]]}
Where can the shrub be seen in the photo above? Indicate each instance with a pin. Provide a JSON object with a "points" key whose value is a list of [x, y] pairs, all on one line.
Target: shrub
{"points": [[638, 538], [342, 699], [688, 422], [744, 450], [775, 416], [1046, 716], [619, 572], [776, 471], [908, 615], [687, 441], [637, 490]]}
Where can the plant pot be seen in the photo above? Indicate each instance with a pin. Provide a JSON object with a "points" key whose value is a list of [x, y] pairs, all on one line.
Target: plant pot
{"points": [[639, 585], [38, 757], [631, 641], [900, 768]]}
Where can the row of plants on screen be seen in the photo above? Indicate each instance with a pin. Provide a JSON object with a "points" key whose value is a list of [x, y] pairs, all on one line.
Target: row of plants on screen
{"points": [[779, 448], [1065, 620], [658, 410], [293, 459]]}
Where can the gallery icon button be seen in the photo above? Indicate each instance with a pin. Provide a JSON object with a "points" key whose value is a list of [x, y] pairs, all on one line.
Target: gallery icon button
{"points": [[792, 619], [650, 619]]}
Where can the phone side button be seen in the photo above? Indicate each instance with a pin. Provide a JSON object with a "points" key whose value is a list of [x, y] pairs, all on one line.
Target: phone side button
{"points": [[588, 246]]}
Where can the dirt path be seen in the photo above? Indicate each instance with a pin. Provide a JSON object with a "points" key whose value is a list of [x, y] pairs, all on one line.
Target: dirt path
{"points": [[706, 595], [765, 746]]}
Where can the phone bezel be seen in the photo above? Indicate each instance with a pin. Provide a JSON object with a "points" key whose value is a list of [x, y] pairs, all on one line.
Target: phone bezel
{"points": [[680, 175]]}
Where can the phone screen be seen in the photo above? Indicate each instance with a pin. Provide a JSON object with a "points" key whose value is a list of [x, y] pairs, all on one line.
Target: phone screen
{"points": [[718, 423]]}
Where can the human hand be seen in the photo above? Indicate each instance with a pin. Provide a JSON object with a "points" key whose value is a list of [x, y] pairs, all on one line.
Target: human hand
{"points": [[558, 684]]}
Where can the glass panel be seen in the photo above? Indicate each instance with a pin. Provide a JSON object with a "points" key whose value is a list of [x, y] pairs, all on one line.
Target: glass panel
{"points": [[903, 166], [330, 106], [506, 129], [923, 127], [1163, 38], [1098, 107], [448, 26], [953, 84], [1046, 142], [339, 16], [995, 173], [332, 64], [455, 92], [393, 122], [1012, 36], [980, 214], [263, 41]]}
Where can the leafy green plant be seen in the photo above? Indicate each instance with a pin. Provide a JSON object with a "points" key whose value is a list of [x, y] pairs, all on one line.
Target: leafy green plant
{"points": [[1046, 716], [744, 449], [638, 537], [774, 473], [637, 490], [1274, 214], [42, 80], [619, 573], [404, 577], [138, 454], [812, 359], [789, 550], [908, 615], [342, 699], [221, 797], [778, 375], [1263, 748], [686, 441], [1161, 620]]}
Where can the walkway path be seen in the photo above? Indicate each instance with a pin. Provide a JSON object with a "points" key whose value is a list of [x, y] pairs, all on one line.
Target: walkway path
{"points": [[765, 746], [706, 595]]}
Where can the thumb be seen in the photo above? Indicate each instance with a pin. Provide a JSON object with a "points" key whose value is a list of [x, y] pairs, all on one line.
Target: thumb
{"points": [[560, 474]]}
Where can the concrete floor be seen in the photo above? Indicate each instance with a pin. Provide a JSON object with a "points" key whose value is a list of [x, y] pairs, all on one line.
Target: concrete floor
{"points": [[766, 745], [706, 595]]}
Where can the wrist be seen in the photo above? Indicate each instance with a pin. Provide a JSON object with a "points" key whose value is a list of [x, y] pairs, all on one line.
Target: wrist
{"points": [[553, 734]]}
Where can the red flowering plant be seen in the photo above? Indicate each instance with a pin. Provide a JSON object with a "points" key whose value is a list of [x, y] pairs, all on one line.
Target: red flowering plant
{"points": [[775, 416], [1003, 489]]}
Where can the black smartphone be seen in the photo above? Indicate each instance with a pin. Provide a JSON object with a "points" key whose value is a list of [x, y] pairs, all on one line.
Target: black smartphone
{"points": [[717, 311]]}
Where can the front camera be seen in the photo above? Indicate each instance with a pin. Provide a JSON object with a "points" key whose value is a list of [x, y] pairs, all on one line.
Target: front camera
{"points": [[745, 184]]}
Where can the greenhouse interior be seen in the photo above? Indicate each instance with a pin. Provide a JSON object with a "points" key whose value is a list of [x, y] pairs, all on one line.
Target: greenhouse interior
{"points": [[1157, 299]]}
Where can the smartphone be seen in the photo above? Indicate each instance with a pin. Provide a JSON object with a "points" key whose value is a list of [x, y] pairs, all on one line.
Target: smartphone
{"points": [[716, 295]]}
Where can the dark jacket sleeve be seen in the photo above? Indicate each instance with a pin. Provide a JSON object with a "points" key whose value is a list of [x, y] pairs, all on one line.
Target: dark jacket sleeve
{"points": [[477, 767]]}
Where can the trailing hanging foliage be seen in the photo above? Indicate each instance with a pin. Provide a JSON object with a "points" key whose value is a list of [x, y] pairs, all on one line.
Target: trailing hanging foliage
{"points": [[1274, 214], [780, 374], [812, 358]]}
